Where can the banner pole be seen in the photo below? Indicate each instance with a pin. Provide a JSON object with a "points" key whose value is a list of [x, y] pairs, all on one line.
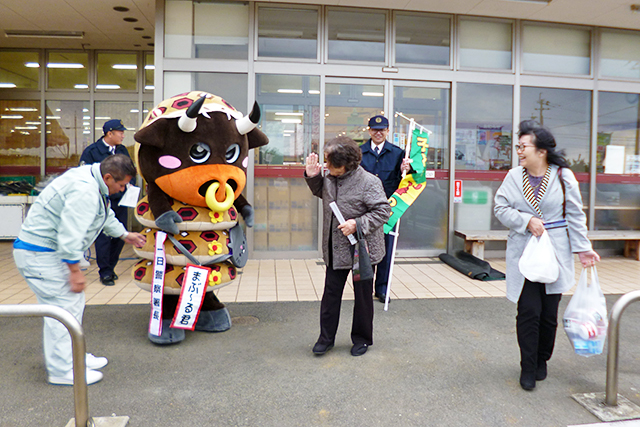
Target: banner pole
{"points": [[396, 231]]}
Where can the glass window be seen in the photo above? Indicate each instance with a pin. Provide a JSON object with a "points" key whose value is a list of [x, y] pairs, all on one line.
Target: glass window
{"points": [[117, 71], [286, 211], [287, 33], [620, 54], [567, 114], [149, 71], [356, 35], [483, 136], [618, 162], [20, 130], [231, 87], [125, 111], [68, 70], [20, 70], [563, 50], [485, 44], [68, 133], [206, 29], [348, 109], [423, 39]]}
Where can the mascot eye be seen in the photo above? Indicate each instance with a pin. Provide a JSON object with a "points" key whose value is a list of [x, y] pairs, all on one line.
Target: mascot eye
{"points": [[200, 152], [233, 153]]}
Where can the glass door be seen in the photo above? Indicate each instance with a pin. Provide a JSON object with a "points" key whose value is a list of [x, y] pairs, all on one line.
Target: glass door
{"points": [[423, 227], [349, 103]]}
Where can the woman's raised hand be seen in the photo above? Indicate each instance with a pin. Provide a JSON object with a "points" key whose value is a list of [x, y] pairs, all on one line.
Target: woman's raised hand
{"points": [[312, 167], [536, 226]]}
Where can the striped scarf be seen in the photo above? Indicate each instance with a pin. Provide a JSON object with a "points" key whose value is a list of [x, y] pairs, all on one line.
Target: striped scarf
{"points": [[529, 194]]}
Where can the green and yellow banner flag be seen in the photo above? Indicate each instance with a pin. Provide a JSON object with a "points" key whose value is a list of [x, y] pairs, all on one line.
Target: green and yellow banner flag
{"points": [[412, 184]]}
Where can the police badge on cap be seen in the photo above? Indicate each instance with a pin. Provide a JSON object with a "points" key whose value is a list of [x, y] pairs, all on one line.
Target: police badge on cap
{"points": [[378, 122]]}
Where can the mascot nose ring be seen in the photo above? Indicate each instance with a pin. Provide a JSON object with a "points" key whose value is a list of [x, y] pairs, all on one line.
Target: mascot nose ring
{"points": [[212, 201]]}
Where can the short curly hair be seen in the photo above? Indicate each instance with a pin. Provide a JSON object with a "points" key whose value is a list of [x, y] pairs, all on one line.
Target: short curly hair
{"points": [[343, 151]]}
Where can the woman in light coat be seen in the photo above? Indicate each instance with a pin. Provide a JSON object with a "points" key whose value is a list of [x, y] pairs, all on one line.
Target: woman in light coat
{"points": [[542, 193], [358, 194]]}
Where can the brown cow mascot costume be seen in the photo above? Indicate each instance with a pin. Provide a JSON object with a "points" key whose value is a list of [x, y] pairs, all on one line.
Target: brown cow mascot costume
{"points": [[193, 154]]}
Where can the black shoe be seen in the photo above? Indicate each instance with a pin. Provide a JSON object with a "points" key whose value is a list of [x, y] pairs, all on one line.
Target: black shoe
{"points": [[107, 281], [528, 380], [382, 297], [319, 349], [115, 276], [359, 349], [541, 371]]}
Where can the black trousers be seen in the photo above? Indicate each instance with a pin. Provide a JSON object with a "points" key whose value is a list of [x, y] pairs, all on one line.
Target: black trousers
{"points": [[362, 326], [108, 248], [536, 324]]}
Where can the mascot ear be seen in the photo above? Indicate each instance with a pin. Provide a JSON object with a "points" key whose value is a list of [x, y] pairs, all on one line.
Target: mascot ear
{"points": [[154, 134], [257, 138]]}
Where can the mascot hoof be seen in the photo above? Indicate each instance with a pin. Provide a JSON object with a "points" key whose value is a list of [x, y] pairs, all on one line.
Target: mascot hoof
{"points": [[169, 335], [214, 321]]}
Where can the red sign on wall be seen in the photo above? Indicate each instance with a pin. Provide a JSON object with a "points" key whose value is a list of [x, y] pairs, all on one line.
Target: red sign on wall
{"points": [[457, 191]]}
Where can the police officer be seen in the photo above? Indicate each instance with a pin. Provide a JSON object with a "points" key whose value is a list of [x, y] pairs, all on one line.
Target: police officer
{"points": [[387, 162], [107, 248]]}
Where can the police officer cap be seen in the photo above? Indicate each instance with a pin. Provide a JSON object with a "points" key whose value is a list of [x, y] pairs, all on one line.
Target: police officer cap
{"points": [[114, 124], [378, 122]]}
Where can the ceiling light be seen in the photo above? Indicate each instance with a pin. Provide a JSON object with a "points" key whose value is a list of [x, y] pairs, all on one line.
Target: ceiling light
{"points": [[7, 85], [107, 86], [279, 113], [25, 128], [149, 67], [103, 118], [149, 87], [64, 65], [372, 94], [81, 86], [14, 117], [124, 66], [45, 34], [53, 117], [289, 90], [314, 92], [130, 19], [121, 9], [22, 109], [291, 121], [32, 65], [135, 110]]}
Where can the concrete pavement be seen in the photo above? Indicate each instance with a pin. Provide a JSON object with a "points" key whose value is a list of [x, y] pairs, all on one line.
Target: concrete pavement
{"points": [[434, 362]]}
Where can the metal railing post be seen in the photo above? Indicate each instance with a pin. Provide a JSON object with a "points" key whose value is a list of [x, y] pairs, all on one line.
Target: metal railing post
{"points": [[74, 327], [613, 335]]}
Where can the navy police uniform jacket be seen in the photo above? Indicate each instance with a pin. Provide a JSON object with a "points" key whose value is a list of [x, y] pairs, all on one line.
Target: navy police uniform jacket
{"points": [[97, 152], [386, 166]]}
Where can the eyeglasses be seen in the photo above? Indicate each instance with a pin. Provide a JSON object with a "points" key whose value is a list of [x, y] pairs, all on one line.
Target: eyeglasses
{"points": [[522, 147]]}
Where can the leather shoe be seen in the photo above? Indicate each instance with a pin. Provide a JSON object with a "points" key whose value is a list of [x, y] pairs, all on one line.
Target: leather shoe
{"points": [[528, 380], [67, 379], [107, 281], [93, 362], [382, 297], [115, 276], [541, 370], [319, 349], [359, 349]]}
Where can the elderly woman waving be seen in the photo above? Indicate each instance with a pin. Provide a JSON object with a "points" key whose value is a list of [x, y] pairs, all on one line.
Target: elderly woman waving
{"points": [[540, 194], [359, 195]]}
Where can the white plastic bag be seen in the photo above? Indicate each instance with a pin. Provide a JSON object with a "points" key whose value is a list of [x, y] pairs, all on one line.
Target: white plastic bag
{"points": [[538, 262], [585, 318]]}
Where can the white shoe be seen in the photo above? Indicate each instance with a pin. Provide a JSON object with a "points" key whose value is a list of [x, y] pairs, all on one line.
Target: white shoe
{"points": [[84, 263], [94, 362], [67, 379]]}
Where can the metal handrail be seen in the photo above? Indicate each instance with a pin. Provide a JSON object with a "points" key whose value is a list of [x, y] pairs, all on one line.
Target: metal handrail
{"points": [[613, 333], [74, 327]]}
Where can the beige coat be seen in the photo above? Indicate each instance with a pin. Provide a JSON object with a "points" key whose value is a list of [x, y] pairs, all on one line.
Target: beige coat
{"points": [[358, 194]]}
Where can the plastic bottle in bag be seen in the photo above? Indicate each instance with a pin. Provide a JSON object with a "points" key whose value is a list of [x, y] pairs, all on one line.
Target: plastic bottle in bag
{"points": [[587, 331]]}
